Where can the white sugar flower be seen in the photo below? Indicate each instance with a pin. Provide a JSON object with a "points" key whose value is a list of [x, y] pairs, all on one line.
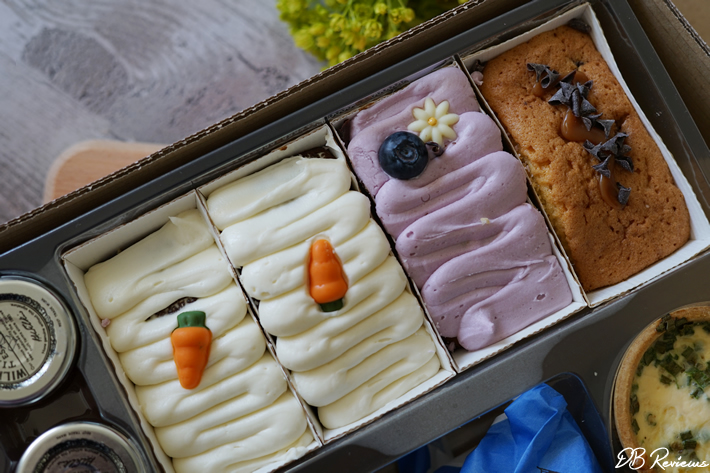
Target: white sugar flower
{"points": [[433, 122]]}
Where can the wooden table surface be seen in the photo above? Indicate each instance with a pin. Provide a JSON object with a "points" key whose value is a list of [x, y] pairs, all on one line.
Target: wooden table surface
{"points": [[138, 71], [129, 70]]}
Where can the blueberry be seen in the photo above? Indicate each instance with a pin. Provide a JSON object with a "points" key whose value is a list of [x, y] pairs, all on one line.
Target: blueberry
{"points": [[403, 155]]}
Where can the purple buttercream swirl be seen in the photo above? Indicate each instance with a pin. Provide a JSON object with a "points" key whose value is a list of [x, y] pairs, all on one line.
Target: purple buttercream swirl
{"points": [[479, 253]]}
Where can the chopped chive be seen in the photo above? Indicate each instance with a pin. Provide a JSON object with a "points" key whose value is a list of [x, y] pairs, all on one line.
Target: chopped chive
{"points": [[634, 387], [696, 394], [649, 356], [634, 404], [672, 367], [687, 435], [698, 376], [651, 419], [661, 327], [690, 444], [660, 346], [688, 352], [670, 324], [665, 379], [635, 426]]}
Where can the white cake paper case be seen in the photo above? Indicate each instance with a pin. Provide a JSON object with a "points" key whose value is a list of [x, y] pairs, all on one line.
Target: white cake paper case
{"points": [[78, 260], [699, 226], [324, 137]]}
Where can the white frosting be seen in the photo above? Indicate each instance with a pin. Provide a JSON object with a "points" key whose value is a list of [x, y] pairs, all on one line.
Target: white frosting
{"points": [[248, 393], [331, 381], [373, 349], [297, 183], [126, 279], [242, 414], [222, 459], [278, 228], [331, 339], [379, 391]]}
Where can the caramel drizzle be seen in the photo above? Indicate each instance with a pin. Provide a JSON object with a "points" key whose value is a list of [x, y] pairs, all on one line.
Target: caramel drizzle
{"points": [[573, 129]]}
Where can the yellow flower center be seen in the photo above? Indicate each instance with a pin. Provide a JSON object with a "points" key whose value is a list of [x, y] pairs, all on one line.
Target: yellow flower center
{"points": [[432, 121]]}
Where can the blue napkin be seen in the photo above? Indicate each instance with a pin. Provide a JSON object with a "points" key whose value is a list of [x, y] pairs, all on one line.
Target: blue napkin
{"points": [[539, 435]]}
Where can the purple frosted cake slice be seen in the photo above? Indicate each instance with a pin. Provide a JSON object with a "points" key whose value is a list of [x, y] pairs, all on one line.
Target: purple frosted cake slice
{"points": [[457, 210]]}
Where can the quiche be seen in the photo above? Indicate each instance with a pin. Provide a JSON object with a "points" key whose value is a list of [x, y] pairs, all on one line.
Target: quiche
{"points": [[662, 394]]}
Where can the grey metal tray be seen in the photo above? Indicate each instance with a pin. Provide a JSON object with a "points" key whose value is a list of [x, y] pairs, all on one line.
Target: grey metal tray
{"points": [[589, 344]]}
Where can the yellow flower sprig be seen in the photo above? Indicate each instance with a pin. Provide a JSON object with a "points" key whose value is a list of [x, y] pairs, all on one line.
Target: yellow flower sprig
{"points": [[335, 30]]}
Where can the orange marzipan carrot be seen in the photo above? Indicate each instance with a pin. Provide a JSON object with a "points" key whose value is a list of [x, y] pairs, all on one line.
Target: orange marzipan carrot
{"points": [[327, 280], [191, 348]]}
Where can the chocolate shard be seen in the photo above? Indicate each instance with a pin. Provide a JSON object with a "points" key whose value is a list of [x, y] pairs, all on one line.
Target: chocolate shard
{"points": [[478, 66], [546, 76], [564, 95], [585, 88], [610, 146], [576, 105], [588, 108], [551, 79], [606, 124], [624, 193], [603, 168], [569, 78], [579, 25], [620, 137], [625, 162], [559, 98], [588, 122], [594, 150], [538, 68]]}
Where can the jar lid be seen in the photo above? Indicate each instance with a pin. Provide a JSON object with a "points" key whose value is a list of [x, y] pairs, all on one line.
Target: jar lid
{"points": [[37, 341], [78, 447]]}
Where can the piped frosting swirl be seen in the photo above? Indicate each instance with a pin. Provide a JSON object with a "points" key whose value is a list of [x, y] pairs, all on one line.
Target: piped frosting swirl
{"points": [[479, 253]]}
